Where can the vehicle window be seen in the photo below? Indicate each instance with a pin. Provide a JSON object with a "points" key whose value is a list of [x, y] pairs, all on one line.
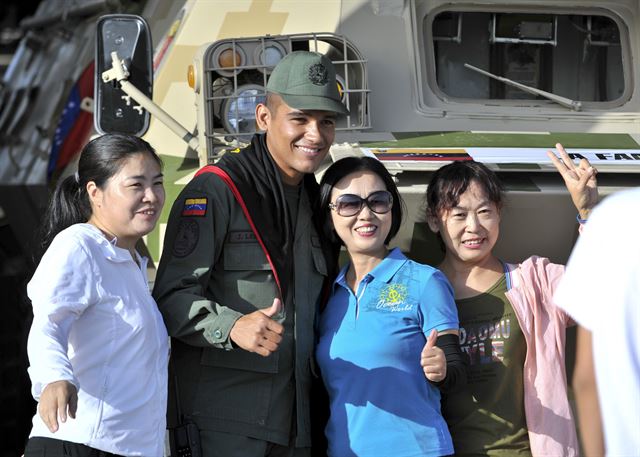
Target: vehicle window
{"points": [[574, 56]]}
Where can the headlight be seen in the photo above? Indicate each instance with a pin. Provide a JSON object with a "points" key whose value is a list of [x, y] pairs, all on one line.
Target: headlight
{"points": [[267, 56], [239, 111], [231, 93]]}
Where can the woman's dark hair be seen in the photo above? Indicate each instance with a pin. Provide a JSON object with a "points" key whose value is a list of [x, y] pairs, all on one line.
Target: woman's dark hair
{"points": [[448, 184], [344, 167], [100, 159]]}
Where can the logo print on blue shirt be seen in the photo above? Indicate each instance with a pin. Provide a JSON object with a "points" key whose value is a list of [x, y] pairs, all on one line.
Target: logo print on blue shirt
{"points": [[392, 298]]}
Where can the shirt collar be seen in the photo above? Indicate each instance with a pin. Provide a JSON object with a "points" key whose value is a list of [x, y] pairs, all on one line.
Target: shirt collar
{"points": [[109, 248], [341, 278], [384, 271], [389, 266]]}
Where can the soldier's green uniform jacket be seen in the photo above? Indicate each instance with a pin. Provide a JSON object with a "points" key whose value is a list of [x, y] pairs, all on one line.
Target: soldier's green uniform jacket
{"points": [[212, 272]]}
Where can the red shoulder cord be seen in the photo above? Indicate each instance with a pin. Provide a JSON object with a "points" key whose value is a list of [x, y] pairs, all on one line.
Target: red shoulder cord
{"points": [[236, 193]]}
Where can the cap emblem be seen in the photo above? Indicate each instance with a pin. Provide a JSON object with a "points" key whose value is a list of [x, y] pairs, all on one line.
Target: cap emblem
{"points": [[318, 74]]}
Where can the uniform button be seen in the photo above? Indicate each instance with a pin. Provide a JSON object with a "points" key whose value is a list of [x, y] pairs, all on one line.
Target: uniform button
{"points": [[261, 422], [217, 334]]}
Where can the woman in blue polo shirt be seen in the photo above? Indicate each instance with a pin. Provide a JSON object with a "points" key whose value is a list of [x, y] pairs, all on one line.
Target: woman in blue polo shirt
{"points": [[387, 329]]}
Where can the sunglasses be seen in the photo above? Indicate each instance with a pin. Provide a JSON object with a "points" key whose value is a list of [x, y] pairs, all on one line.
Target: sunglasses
{"points": [[346, 205]]}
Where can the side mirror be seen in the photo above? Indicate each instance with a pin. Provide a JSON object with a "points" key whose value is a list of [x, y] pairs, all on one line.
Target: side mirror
{"points": [[129, 36]]}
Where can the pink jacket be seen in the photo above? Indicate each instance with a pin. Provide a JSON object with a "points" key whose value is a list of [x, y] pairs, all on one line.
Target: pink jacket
{"points": [[550, 421]]}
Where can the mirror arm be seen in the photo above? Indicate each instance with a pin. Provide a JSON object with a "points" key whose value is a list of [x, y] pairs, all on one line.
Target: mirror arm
{"points": [[119, 73]]}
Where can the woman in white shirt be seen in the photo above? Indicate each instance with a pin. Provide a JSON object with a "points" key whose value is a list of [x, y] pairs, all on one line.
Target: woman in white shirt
{"points": [[98, 348]]}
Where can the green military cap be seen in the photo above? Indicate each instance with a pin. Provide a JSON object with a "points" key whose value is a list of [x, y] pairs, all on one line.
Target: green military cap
{"points": [[307, 81]]}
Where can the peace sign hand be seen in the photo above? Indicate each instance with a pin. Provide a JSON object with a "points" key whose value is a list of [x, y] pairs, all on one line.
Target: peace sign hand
{"points": [[580, 180]]}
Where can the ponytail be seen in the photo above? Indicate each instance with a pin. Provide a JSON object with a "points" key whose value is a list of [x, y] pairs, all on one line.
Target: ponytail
{"points": [[69, 205]]}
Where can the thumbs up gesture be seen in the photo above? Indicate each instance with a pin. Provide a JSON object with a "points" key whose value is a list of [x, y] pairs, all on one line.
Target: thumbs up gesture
{"points": [[432, 359], [258, 332], [273, 310]]}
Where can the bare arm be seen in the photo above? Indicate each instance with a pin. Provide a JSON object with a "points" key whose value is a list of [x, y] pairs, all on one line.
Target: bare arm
{"points": [[580, 180], [584, 384]]}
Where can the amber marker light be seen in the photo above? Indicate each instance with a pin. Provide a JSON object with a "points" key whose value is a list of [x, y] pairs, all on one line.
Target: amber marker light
{"points": [[229, 58], [191, 77], [340, 84]]}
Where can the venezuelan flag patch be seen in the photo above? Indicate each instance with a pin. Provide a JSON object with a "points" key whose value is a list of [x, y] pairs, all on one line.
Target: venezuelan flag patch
{"points": [[195, 207]]}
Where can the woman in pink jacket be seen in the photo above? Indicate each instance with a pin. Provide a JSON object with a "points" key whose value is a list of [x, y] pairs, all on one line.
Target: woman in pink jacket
{"points": [[516, 400]]}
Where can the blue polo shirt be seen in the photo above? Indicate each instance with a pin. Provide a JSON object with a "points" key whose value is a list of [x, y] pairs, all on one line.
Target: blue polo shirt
{"points": [[369, 354]]}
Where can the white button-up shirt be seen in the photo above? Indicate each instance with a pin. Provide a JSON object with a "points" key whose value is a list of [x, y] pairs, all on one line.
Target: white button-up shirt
{"points": [[96, 325]]}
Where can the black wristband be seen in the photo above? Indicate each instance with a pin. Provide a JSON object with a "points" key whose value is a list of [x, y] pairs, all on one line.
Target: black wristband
{"points": [[457, 363]]}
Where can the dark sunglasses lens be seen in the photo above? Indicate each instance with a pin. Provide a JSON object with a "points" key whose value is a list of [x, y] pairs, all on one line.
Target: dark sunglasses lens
{"points": [[348, 205], [380, 202]]}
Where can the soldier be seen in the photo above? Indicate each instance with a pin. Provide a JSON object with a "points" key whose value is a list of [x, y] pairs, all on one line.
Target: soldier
{"points": [[243, 323]]}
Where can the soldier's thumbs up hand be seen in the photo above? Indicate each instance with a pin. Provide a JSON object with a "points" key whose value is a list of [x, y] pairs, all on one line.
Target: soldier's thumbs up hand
{"points": [[432, 359], [258, 332], [275, 308]]}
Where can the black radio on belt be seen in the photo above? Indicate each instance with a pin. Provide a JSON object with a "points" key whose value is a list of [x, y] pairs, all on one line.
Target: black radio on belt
{"points": [[184, 438], [185, 441]]}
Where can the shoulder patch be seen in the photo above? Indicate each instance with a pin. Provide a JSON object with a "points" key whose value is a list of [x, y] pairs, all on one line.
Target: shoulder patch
{"points": [[186, 238], [195, 207]]}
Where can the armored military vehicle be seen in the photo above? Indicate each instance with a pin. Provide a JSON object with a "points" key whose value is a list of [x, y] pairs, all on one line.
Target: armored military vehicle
{"points": [[426, 81]]}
